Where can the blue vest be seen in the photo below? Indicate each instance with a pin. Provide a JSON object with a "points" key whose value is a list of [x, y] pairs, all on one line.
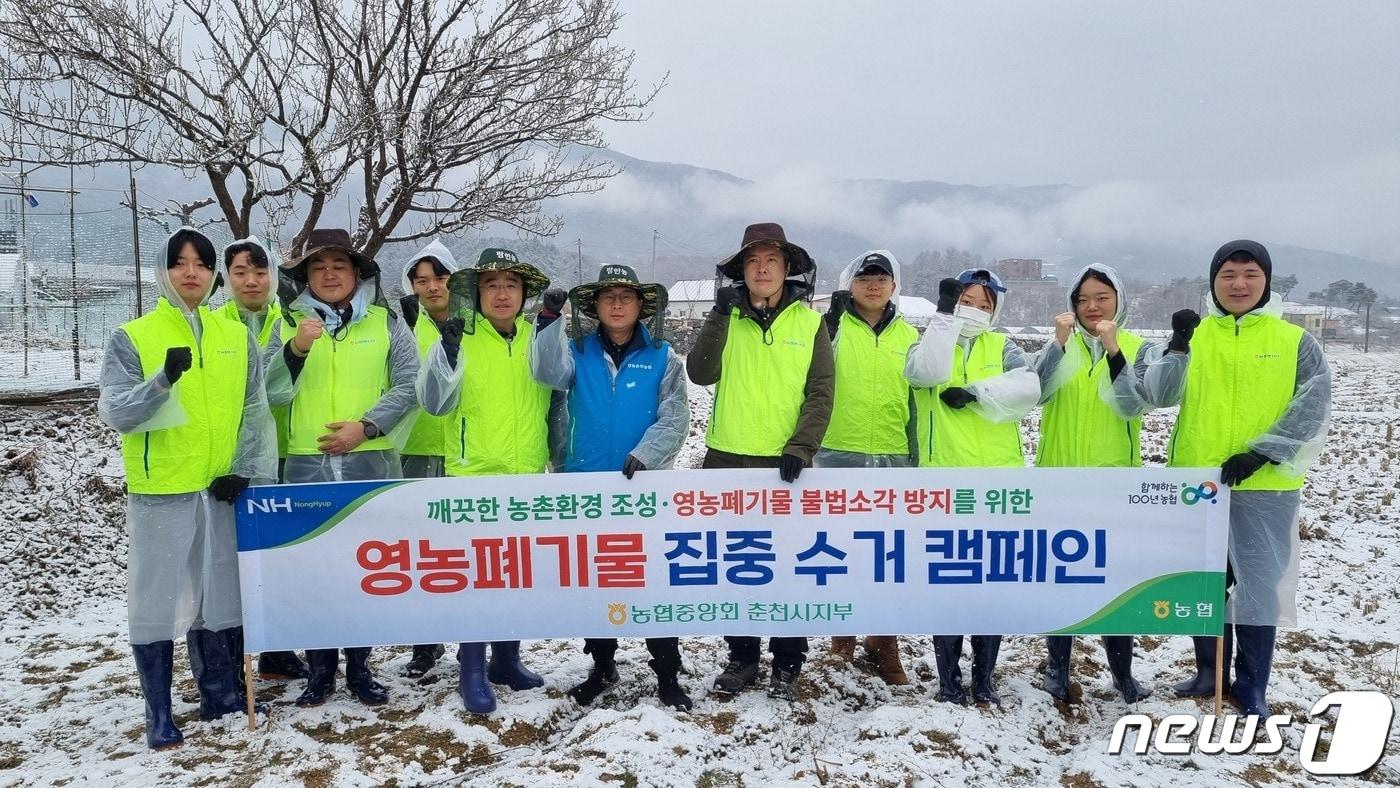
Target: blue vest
{"points": [[607, 416]]}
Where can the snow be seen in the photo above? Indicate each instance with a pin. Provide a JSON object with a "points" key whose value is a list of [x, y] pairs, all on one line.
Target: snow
{"points": [[72, 710]]}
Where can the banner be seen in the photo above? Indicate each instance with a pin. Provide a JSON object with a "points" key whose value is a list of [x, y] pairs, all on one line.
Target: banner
{"points": [[734, 552]]}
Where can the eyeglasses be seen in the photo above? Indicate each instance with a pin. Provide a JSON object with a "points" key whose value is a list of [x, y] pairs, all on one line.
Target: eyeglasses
{"points": [[625, 298]]}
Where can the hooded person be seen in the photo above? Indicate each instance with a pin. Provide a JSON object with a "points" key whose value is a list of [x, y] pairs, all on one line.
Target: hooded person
{"points": [[872, 414], [185, 390], [1255, 395], [425, 307], [627, 412], [344, 366], [971, 388], [478, 377], [1093, 403], [768, 355]]}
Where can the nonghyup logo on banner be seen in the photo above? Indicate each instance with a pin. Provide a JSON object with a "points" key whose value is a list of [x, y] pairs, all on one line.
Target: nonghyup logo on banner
{"points": [[730, 552]]}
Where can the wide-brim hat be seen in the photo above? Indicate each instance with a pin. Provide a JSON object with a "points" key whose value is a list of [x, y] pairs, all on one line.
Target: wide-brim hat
{"points": [[585, 296], [331, 240], [799, 262]]}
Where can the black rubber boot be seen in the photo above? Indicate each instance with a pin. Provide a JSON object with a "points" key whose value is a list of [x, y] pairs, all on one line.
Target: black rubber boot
{"points": [[1058, 650], [984, 664], [1254, 660], [1119, 650], [281, 665], [1203, 685], [423, 660], [214, 674], [320, 680], [947, 650], [233, 638], [360, 680], [154, 663]]}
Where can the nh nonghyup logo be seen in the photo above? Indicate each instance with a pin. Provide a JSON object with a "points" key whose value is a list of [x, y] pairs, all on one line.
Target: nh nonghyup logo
{"points": [[1205, 491]]}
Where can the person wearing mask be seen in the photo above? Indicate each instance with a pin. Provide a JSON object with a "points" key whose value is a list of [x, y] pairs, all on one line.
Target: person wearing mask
{"points": [[1255, 395], [769, 357], [971, 388], [184, 387], [478, 376], [345, 367], [872, 415], [1091, 418]]}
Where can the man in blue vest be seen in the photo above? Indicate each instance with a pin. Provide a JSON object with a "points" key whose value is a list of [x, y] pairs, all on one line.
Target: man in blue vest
{"points": [[627, 412]]}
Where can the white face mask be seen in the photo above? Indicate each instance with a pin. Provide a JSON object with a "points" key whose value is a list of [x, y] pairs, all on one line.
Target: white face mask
{"points": [[975, 321]]}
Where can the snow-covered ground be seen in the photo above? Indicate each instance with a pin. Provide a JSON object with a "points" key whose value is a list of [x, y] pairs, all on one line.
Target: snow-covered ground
{"points": [[71, 712]]}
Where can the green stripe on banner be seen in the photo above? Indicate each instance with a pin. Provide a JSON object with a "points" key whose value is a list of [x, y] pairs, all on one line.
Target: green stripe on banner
{"points": [[344, 512], [1166, 605]]}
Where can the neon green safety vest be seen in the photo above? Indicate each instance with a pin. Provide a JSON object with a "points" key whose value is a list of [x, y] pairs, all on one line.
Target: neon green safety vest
{"points": [[763, 382], [342, 380], [230, 310], [1239, 381], [951, 438], [1077, 428], [187, 458], [426, 439], [870, 411], [501, 425]]}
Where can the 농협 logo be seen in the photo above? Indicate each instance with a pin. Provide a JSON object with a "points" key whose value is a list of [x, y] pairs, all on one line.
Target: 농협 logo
{"points": [[1204, 492]]}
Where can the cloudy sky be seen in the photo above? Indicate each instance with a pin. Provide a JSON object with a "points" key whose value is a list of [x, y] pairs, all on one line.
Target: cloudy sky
{"points": [[1280, 119]]}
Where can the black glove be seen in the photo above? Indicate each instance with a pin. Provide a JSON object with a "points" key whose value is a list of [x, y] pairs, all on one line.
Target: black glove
{"points": [[840, 302], [790, 467], [1241, 467], [632, 466], [726, 298], [956, 397], [948, 291], [177, 360], [554, 299], [1184, 322], [228, 488], [451, 332]]}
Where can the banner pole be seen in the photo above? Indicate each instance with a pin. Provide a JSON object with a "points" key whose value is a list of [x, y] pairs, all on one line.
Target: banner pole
{"points": [[248, 682], [1219, 675]]}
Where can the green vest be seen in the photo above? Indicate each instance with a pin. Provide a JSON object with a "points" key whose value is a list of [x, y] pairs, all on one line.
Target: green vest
{"points": [[1240, 379], [501, 425], [1077, 428], [230, 310], [763, 382], [951, 438], [187, 458], [870, 411], [342, 380], [426, 439]]}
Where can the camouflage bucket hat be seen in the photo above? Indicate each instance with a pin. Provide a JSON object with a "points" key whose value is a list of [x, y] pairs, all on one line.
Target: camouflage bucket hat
{"points": [[585, 297], [462, 284]]}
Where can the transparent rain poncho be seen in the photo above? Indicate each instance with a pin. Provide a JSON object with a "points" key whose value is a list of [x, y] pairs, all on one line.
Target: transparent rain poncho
{"points": [[182, 565], [393, 413], [1264, 543], [1005, 397], [552, 364]]}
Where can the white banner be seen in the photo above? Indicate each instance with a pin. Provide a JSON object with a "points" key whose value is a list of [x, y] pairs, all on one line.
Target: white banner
{"points": [[734, 552]]}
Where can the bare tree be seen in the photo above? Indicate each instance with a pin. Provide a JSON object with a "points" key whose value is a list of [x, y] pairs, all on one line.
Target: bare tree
{"points": [[437, 115]]}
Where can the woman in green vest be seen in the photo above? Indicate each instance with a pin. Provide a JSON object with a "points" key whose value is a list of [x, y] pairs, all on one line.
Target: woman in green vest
{"points": [[478, 377], [972, 387], [345, 369], [425, 309], [184, 388], [1255, 395], [872, 416], [768, 356], [1091, 416]]}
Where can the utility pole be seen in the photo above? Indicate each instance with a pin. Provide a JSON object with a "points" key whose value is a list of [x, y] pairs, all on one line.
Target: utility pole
{"points": [[578, 272], [24, 264], [1366, 344], [135, 237], [654, 235], [73, 268]]}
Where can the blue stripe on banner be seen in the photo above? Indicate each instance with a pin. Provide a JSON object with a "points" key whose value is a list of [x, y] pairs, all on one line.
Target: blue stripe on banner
{"points": [[278, 515]]}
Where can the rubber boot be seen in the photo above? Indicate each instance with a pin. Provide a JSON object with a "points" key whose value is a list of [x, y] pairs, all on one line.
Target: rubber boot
{"points": [[506, 667], [668, 686], [476, 692], [360, 680], [154, 663], [282, 665], [1119, 650], [947, 650], [843, 648], [1058, 649], [320, 676], [1203, 685], [213, 674], [233, 638], [423, 660], [884, 650], [1254, 658], [602, 675], [984, 664]]}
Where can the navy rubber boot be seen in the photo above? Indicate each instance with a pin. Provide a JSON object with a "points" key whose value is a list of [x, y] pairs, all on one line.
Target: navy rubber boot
{"points": [[984, 664], [506, 668], [1254, 658], [1203, 685], [1058, 649], [214, 674], [472, 685], [1119, 650], [154, 663], [947, 650], [360, 681]]}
